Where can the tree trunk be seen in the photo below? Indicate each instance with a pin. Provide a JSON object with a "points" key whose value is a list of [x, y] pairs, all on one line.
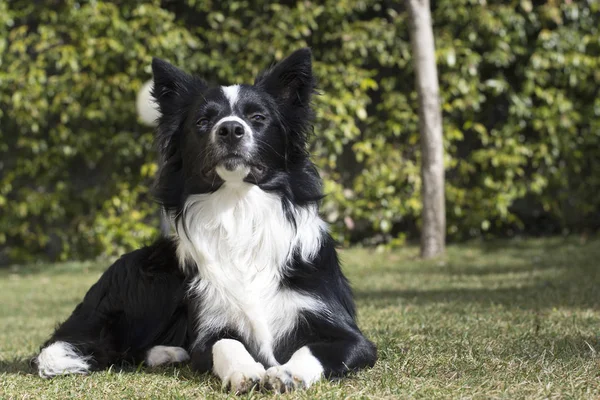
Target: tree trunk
{"points": [[433, 233]]}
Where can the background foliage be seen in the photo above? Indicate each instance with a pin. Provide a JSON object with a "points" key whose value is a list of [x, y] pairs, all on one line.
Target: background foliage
{"points": [[519, 80]]}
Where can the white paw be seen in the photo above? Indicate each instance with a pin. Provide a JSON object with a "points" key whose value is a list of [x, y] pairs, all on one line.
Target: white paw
{"points": [[281, 380], [300, 372], [244, 377], [159, 355]]}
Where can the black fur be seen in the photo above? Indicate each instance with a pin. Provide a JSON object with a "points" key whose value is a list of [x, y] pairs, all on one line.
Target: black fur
{"points": [[137, 303], [141, 300]]}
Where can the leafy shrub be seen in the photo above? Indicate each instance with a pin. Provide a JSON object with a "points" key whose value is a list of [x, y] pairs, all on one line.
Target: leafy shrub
{"points": [[519, 82]]}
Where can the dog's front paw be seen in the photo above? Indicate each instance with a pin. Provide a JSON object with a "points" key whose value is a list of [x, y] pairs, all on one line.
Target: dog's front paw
{"points": [[300, 372], [244, 377], [281, 380]]}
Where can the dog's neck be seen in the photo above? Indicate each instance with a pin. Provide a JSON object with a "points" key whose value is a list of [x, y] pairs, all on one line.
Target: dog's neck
{"points": [[245, 229]]}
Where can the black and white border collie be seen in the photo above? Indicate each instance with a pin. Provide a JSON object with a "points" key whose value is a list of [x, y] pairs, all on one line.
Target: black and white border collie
{"points": [[250, 285]]}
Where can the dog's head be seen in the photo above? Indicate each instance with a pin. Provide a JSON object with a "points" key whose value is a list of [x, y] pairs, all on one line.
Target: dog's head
{"points": [[240, 133]]}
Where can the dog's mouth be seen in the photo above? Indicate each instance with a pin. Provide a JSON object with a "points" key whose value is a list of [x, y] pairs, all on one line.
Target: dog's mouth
{"points": [[235, 161]]}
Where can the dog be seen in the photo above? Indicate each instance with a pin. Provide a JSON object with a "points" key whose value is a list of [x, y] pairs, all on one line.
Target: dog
{"points": [[249, 286]]}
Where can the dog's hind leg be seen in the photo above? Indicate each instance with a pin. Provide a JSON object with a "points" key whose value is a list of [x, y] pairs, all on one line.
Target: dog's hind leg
{"points": [[84, 341], [79, 345]]}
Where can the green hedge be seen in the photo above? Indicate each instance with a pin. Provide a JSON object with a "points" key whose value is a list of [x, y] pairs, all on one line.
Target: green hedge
{"points": [[519, 81]]}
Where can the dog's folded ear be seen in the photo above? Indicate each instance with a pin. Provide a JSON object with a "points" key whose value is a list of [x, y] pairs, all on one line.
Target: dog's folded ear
{"points": [[291, 80]]}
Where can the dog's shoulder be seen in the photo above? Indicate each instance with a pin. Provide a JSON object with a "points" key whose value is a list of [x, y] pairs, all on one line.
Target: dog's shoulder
{"points": [[322, 277]]}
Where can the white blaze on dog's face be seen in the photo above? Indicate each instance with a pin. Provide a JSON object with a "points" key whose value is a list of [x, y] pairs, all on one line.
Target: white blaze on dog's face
{"points": [[238, 132], [230, 123]]}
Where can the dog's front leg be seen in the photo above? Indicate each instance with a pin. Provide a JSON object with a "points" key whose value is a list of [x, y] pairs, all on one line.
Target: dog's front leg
{"points": [[236, 368], [325, 359], [300, 372]]}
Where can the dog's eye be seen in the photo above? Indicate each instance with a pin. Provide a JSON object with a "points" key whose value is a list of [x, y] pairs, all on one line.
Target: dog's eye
{"points": [[257, 117], [202, 122]]}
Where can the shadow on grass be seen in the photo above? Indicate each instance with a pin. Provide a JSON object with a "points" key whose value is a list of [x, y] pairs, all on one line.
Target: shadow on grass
{"points": [[18, 366], [26, 366], [531, 275], [527, 297], [528, 255]]}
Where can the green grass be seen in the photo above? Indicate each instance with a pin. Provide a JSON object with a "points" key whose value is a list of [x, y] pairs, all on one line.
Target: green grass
{"points": [[510, 319]]}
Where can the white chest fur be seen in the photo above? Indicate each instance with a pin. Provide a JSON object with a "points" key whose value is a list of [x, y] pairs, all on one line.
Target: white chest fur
{"points": [[241, 241]]}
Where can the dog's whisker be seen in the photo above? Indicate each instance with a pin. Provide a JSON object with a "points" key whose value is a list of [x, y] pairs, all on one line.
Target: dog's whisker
{"points": [[267, 144]]}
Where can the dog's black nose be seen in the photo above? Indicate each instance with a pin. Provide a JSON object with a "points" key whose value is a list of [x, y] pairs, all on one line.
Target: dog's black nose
{"points": [[231, 131]]}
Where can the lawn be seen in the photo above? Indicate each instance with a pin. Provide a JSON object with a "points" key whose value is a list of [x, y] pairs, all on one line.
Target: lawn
{"points": [[507, 319]]}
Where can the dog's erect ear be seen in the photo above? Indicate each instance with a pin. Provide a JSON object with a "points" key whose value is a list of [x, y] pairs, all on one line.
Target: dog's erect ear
{"points": [[291, 80], [170, 84], [173, 91]]}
